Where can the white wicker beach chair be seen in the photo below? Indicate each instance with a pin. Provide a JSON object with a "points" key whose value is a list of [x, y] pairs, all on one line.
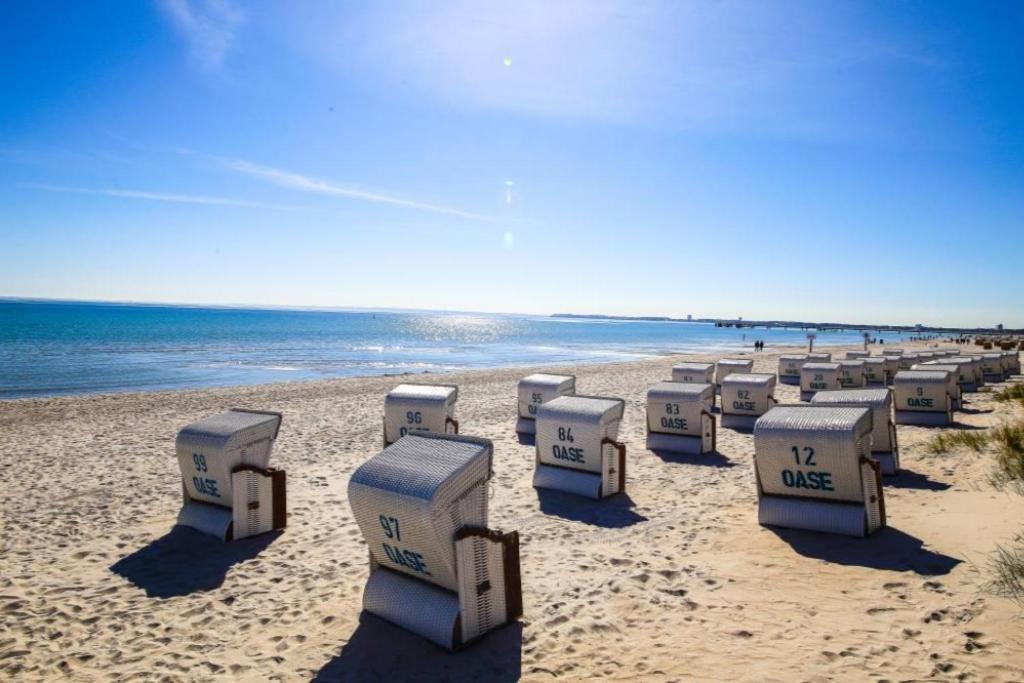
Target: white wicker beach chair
{"points": [[229, 490], [876, 370], [921, 397], [1012, 363], [993, 367], [418, 409], [436, 569], [851, 373], [977, 375], [679, 418], [908, 359], [819, 357], [789, 367], [728, 366], [884, 447], [815, 377], [892, 366], [694, 373], [576, 446], [962, 370], [537, 389], [854, 355], [746, 397], [814, 470]]}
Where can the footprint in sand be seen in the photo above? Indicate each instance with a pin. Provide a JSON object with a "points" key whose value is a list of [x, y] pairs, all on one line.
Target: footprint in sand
{"points": [[879, 610]]}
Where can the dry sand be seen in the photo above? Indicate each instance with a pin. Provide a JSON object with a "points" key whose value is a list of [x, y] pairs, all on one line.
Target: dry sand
{"points": [[675, 580]]}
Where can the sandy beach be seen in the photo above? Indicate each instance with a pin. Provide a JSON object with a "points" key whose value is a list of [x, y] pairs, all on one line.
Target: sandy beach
{"points": [[673, 581]]}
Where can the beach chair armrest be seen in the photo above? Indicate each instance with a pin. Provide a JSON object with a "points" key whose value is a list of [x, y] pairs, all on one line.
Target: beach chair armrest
{"points": [[490, 586]]}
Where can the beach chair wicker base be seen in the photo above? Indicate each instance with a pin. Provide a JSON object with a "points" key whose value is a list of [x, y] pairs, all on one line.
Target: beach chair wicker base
{"points": [[417, 606], [922, 418], [849, 519], [526, 425], [676, 443], [682, 443], [208, 519], [581, 483], [730, 421], [489, 596]]}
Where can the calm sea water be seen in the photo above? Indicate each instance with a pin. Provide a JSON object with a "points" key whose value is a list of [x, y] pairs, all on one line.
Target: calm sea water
{"points": [[70, 348]]}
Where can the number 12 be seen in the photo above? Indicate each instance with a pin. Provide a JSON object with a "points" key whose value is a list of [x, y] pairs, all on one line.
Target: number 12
{"points": [[808, 456]]}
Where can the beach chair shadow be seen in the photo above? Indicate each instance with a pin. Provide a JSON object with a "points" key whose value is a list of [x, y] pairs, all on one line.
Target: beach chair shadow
{"points": [[379, 651], [975, 411], [710, 459], [615, 512], [526, 439], [185, 561], [908, 479], [889, 548], [964, 426]]}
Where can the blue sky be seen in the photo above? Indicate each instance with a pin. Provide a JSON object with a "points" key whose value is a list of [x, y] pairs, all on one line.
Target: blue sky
{"points": [[801, 160]]}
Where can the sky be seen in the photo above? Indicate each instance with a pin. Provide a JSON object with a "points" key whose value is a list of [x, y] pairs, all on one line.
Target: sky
{"points": [[842, 161]]}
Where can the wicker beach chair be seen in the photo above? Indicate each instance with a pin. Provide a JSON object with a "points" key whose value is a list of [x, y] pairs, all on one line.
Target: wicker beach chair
{"points": [[815, 377], [418, 409], [576, 446], [922, 397], [229, 490], [884, 447], [746, 397], [537, 389], [814, 470], [679, 418], [436, 569]]}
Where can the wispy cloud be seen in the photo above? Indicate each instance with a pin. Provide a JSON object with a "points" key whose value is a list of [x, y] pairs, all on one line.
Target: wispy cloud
{"points": [[208, 26], [297, 181], [206, 200]]}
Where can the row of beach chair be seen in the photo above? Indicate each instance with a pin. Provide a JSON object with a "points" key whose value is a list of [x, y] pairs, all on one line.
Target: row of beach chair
{"points": [[439, 570]]}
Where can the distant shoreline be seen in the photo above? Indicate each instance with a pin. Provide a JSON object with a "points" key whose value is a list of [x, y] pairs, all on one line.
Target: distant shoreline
{"points": [[729, 322], [796, 325]]}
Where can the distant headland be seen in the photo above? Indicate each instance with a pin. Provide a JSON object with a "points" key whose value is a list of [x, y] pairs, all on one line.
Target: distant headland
{"points": [[799, 325]]}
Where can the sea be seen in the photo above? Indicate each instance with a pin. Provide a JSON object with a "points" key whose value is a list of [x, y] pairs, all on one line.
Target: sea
{"points": [[55, 348]]}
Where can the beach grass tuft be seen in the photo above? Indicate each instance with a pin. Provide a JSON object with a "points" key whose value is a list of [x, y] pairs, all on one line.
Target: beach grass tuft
{"points": [[948, 441], [1009, 441], [1014, 392], [1008, 567]]}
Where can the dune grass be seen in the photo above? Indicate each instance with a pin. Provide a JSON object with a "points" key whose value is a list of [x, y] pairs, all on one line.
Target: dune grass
{"points": [[1009, 442], [948, 441], [1008, 567], [1014, 392]]}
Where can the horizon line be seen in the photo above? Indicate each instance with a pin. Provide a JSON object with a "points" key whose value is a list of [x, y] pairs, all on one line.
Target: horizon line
{"points": [[703, 320]]}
